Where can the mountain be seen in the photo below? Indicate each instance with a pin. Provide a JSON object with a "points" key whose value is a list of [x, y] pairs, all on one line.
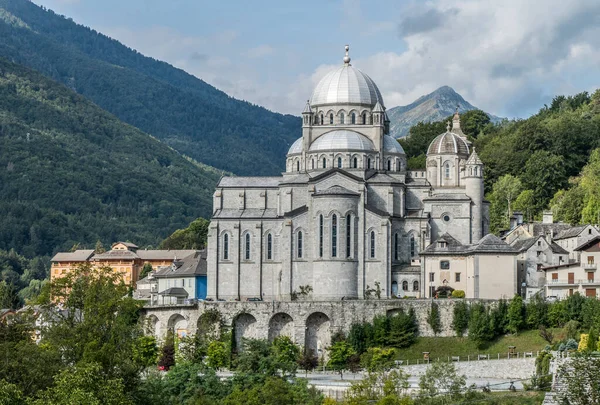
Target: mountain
{"points": [[432, 107], [72, 173], [181, 110]]}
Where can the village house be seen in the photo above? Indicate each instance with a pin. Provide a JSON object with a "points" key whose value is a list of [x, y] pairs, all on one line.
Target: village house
{"points": [[486, 269]]}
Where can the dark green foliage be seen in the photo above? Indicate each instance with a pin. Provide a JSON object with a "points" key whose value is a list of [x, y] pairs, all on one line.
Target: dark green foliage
{"points": [[558, 315], [403, 329], [542, 379], [433, 318], [592, 343], [76, 174], [574, 307], [480, 330], [537, 312], [381, 330], [474, 122], [499, 318], [591, 313], [147, 269], [192, 237], [339, 354], [516, 311], [460, 320], [358, 337], [172, 105], [167, 352]]}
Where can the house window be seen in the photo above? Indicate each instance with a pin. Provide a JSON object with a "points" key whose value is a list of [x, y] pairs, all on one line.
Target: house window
{"points": [[405, 285], [324, 163], [395, 246], [226, 247], [389, 165], [368, 163], [331, 119], [348, 235], [321, 119], [313, 164], [447, 170], [355, 163], [555, 277], [321, 236], [457, 277], [339, 163], [353, 118], [372, 244], [589, 231], [342, 118], [364, 119], [247, 249], [269, 247], [298, 166], [412, 246], [415, 286], [590, 277], [590, 259], [445, 264], [334, 236], [539, 243], [300, 244], [431, 277]]}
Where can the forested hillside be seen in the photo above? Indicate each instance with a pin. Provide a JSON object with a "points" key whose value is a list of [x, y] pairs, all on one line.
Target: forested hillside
{"points": [[530, 163], [72, 173], [188, 114]]}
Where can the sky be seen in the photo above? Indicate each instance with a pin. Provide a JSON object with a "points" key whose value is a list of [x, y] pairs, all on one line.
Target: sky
{"points": [[506, 57]]}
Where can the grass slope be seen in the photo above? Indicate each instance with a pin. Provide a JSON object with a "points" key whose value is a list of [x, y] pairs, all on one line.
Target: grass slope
{"points": [[71, 172], [188, 114]]}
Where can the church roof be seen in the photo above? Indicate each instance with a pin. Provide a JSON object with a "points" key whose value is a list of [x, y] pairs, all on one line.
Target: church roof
{"points": [[390, 145], [342, 139], [474, 159], [235, 182], [447, 244], [337, 190], [296, 147], [490, 243], [346, 85], [448, 143]]}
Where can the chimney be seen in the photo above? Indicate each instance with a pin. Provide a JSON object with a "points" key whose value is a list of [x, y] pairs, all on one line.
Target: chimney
{"points": [[513, 222], [519, 217], [547, 217]]}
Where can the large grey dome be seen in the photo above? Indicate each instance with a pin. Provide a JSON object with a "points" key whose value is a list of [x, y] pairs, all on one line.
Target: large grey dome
{"points": [[296, 147], [448, 143], [390, 145], [346, 85], [342, 140]]}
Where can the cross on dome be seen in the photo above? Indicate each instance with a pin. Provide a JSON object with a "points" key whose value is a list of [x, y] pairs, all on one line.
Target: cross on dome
{"points": [[447, 126], [347, 58]]}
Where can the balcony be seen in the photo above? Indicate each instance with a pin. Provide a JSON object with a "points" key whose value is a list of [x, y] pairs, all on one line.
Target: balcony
{"points": [[573, 283], [589, 266]]}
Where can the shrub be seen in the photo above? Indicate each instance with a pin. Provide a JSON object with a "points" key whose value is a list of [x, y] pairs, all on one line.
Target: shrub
{"points": [[460, 321], [515, 314], [479, 325], [377, 359], [571, 329], [458, 294], [571, 344], [433, 318]]}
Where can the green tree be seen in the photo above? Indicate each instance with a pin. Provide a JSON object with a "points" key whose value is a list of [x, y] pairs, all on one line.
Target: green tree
{"points": [[515, 314], [506, 189], [358, 338], [545, 174], [433, 318], [580, 380], [537, 312], [592, 343], [286, 355], [9, 297], [10, 394], [479, 325], [380, 386], [525, 203], [460, 321], [474, 122], [403, 329], [192, 237], [99, 247], [339, 353], [84, 384], [378, 359], [167, 352], [441, 379], [146, 351], [217, 356], [147, 269]]}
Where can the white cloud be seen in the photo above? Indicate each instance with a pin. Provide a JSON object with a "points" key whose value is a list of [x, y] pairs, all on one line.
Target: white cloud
{"points": [[505, 57]]}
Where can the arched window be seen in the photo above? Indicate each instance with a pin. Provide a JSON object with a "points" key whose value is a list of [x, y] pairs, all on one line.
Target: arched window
{"points": [[364, 119], [447, 170], [300, 245], [412, 246], [313, 164], [334, 236], [226, 247], [324, 163], [372, 253], [389, 165], [415, 286], [247, 249], [353, 118], [395, 246], [269, 247], [405, 285], [298, 166], [321, 236], [475, 170], [322, 119], [395, 288], [339, 162], [470, 171], [355, 163], [348, 235], [342, 118], [368, 163], [331, 119]]}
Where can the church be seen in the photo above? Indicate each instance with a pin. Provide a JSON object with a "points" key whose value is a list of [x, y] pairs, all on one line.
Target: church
{"points": [[347, 219]]}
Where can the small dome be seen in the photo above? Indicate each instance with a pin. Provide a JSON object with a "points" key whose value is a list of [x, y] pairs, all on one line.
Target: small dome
{"points": [[296, 147], [346, 85], [390, 145], [342, 140], [448, 143]]}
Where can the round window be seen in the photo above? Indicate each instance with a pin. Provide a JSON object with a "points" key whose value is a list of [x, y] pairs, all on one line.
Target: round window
{"points": [[446, 218]]}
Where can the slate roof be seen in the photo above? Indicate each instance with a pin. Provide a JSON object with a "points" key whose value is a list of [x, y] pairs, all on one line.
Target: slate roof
{"points": [[570, 233], [558, 249], [164, 254], [558, 266], [296, 211], [376, 211], [446, 197], [337, 190], [522, 245], [474, 159], [174, 292], [543, 229], [116, 255], [80, 255], [192, 265], [247, 213], [128, 244], [488, 244], [249, 182]]}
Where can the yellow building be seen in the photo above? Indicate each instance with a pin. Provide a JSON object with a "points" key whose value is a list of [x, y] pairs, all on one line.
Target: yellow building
{"points": [[123, 257]]}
